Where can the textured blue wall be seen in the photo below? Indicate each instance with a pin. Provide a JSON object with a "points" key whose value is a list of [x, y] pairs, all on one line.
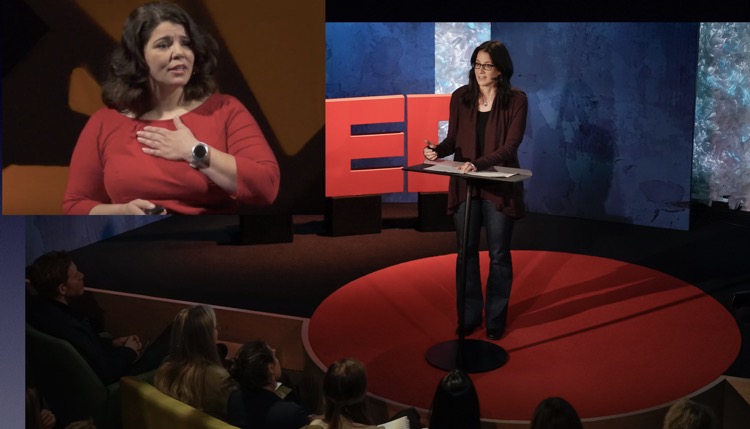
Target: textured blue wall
{"points": [[365, 59], [611, 118], [368, 59], [611, 107]]}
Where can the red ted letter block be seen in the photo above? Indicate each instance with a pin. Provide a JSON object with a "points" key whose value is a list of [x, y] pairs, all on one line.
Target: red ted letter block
{"points": [[342, 147], [423, 113]]}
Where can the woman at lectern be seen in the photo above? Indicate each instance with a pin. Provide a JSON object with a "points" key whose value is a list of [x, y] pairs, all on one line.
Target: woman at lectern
{"points": [[168, 142], [486, 125]]}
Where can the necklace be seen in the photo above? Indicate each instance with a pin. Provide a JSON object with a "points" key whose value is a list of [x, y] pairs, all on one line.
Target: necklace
{"points": [[486, 100]]}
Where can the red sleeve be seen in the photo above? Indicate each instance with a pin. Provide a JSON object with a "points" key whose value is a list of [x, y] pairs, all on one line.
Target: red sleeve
{"points": [[258, 175], [507, 150], [85, 188]]}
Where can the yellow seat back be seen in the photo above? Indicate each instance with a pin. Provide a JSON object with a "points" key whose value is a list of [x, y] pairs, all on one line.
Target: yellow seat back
{"points": [[145, 407]]}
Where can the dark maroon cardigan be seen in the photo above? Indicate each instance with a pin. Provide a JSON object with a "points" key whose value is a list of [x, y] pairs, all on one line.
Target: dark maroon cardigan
{"points": [[504, 133]]}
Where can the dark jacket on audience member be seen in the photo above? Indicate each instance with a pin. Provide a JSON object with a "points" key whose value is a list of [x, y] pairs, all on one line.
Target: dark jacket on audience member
{"points": [[259, 408], [59, 320]]}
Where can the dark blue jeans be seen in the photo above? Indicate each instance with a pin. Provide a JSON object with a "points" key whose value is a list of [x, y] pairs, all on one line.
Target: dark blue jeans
{"points": [[499, 228]]}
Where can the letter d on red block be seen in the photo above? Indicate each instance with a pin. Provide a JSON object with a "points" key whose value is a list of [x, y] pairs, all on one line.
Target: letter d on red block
{"points": [[342, 147], [424, 112]]}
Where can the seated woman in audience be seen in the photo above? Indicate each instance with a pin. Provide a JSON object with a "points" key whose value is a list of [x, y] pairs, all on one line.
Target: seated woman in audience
{"points": [[258, 403], [193, 372], [345, 397], [687, 414], [455, 404], [555, 413], [344, 393]]}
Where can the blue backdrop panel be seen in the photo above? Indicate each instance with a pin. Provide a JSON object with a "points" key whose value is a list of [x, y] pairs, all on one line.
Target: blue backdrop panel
{"points": [[369, 59], [611, 110]]}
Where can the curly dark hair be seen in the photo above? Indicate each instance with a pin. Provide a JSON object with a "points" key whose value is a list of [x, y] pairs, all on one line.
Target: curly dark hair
{"points": [[126, 87], [501, 59]]}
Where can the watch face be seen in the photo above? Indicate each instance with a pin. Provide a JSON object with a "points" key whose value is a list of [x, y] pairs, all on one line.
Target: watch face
{"points": [[199, 151]]}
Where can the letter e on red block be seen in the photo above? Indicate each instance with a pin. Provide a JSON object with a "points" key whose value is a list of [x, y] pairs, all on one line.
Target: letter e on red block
{"points": [[342, 147]]}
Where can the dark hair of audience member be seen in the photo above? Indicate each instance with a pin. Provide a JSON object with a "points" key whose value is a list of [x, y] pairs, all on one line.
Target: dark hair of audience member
{"points": [[687, 414], [455, 404], [251, 364], [555, 413], [48, 272], [344, 392]]}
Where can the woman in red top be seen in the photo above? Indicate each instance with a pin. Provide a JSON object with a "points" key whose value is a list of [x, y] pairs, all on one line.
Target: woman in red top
{"points": [[486, 125], [167, 141]]}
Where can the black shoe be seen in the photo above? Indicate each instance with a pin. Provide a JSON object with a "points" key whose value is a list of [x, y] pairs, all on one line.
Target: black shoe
{"points": [[495, 334], [467, 330]]}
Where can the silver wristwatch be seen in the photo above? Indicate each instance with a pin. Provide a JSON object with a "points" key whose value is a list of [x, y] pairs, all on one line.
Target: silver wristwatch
{"points": [[200, 156]]}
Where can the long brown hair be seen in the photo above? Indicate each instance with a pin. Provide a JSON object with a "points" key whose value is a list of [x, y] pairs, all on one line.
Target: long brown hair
{"points": [[500, 56], [192, 350], [345, 391], [126, 88]]}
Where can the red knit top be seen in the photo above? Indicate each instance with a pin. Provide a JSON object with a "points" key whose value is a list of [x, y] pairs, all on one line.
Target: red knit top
{"points": [[109, 167]]}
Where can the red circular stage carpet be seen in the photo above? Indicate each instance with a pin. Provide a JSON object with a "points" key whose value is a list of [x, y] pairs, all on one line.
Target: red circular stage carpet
{"points": [[608, 336]]}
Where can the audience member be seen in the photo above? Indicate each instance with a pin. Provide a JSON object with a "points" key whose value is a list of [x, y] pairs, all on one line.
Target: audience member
{"points": [[344, 393], [193, 372], [37, 417], [555, 413], [258, 403], [455, 404], [687, 414], [56, 280]]}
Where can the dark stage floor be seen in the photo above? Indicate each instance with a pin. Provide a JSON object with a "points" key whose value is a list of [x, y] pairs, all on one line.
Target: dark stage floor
{"points": [[195, 258]]}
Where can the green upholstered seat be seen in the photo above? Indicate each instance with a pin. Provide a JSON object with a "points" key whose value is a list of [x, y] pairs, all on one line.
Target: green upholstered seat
{"points": [[68, 384]]}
